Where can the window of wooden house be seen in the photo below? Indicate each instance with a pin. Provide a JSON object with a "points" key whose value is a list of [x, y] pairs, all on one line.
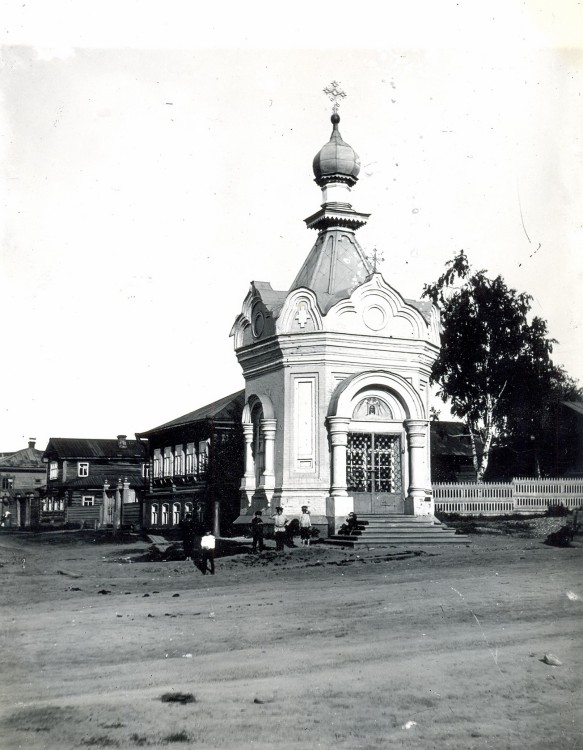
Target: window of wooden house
{"points": [[176, 514], [190, 459], [154, 514], [178, 461], [187, 508], [53, 470], [131, 497], [87, 501], [165, 513], [7, 483], [83, 468], [157, 463], [168, 462], [203, 449]]}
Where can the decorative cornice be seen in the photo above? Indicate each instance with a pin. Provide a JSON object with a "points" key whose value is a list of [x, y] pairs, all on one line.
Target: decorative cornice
{"points": [[337, 214], [326, 348]]}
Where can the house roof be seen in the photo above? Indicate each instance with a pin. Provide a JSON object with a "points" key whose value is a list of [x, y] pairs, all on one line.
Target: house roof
{"points": [[450, 439], [70, 448], [29, 458], [576, 406], [221, 410]]}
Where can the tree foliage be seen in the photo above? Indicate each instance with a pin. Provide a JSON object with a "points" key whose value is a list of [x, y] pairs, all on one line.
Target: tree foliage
{"points": [[495, 364]]}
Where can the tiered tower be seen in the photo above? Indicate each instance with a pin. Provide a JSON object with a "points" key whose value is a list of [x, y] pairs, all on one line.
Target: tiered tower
{"points": [[336, 373]]}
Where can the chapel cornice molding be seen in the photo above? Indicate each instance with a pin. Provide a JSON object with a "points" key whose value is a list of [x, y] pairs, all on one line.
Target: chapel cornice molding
{"points": [[336, 215]]}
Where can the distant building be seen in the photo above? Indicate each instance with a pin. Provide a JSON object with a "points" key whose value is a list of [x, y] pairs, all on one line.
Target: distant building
{"points": [[195, 466], [22, 477], [89, 480], [451, 452]]}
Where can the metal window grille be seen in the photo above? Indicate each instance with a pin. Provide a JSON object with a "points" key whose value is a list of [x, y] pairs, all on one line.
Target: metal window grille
{"points": [[373, 462]]}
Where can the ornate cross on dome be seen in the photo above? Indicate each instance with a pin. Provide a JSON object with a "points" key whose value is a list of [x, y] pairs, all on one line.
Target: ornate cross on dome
{"points": [[376, 258], [335, 94]]}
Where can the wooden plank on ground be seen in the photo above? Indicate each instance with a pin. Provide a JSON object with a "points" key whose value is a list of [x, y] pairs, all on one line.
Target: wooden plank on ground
{"points": [[159, 541]]}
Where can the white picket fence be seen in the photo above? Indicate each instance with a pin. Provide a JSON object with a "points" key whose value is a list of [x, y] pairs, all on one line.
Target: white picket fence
{"points": [[521, 495]]}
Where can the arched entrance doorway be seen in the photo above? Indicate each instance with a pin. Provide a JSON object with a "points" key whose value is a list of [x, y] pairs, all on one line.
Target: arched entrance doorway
{"points": [[374, 456], [379, 448]]}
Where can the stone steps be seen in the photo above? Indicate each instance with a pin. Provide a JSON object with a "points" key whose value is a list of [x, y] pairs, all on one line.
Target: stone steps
{"points": [[396, 529]]}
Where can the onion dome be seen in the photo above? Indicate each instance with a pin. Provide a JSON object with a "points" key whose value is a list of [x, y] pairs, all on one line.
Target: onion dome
{"points": [[336, 161]]}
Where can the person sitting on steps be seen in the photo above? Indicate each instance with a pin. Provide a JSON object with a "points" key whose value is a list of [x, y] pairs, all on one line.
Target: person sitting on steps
{"points": [[349, 527]]}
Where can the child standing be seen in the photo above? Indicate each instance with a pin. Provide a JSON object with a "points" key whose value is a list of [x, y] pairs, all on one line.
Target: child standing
{"points": [[280, 523], [305, 526], [207, 545]]}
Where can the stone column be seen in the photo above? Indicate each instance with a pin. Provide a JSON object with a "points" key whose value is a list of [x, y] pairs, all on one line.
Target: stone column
{"points": [[248, 479], [338, 429], [125, 498], [117, 506], [103, 513], [339, 504], [268, 427], [418, 502]]}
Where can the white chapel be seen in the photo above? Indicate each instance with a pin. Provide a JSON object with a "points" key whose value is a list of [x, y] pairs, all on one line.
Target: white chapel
{"points": [[336, 370]]}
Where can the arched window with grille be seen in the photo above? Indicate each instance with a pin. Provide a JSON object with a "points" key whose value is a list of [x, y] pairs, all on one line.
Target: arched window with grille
{"points": [[165, 514], [154, 514], [176, 514]]}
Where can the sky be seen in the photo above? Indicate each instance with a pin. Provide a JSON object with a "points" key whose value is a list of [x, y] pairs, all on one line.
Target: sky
{"points": [[151, 167]]}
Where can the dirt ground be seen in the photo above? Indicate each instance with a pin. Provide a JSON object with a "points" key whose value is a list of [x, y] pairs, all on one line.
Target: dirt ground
{"points": [[395, 647]]}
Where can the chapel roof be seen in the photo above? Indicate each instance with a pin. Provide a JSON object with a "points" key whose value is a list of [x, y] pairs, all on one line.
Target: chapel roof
{"points": [[335, 266]]}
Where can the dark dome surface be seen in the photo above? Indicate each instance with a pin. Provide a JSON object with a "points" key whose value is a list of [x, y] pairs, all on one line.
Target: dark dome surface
{"points": [[336, 161]]}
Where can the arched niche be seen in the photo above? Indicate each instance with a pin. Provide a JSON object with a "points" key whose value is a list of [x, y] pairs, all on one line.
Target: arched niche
{"points": [[401, 397]]}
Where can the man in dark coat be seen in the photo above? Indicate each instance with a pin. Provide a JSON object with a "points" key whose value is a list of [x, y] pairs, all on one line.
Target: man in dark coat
{"points": [[257, 531]]}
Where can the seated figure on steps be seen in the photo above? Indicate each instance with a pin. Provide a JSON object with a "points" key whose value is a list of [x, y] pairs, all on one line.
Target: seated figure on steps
{"points": [[350, 526]]}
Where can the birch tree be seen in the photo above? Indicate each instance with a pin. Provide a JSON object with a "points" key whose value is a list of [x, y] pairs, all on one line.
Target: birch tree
{"points": [[493, 362]]}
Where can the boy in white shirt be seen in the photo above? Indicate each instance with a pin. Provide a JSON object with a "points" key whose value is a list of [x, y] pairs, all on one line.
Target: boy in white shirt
{"points": [[207, 545], [280, 523], [305, 526]]}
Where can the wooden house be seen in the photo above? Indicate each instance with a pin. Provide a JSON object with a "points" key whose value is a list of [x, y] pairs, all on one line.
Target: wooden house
{"points": [[451, 452], [22, 477], [85, 478], [568, 441], [196, 465]]}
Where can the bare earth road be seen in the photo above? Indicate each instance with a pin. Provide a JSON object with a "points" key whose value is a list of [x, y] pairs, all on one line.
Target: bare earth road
{"points": [[439, 647]]}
